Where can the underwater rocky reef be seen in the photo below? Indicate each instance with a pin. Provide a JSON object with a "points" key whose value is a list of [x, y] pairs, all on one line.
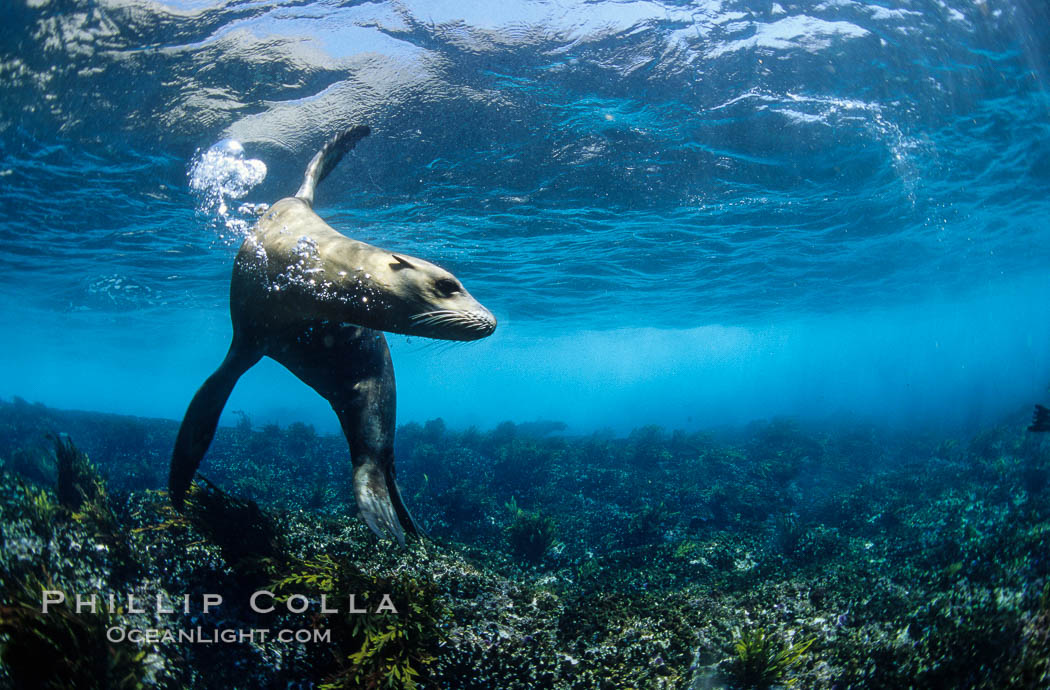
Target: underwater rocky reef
{"points": [[843, 556]]}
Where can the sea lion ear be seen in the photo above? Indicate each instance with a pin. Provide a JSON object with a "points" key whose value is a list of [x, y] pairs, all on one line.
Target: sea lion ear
{"points": [[400, 262]]}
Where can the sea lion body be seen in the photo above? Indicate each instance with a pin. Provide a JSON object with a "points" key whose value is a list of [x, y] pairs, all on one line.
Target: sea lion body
{"points": [[315, 300]]}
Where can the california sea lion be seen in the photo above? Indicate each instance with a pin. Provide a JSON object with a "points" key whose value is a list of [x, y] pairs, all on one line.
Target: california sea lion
{"points": [[315, 301]]}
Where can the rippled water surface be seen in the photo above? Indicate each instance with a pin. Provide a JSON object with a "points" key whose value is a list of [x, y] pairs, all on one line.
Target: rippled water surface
{"points": [[684, 213]]}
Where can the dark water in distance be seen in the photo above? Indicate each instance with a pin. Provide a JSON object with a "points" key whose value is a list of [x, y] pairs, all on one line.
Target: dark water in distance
{"points": [[689, 214]]}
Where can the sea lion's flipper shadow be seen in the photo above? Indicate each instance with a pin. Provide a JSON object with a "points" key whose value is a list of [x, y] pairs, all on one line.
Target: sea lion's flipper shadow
{"points": [[201, 419]]}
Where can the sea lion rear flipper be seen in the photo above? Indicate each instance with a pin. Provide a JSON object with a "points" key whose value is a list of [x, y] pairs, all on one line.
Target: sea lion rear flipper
{"points": [[328, 157], [403, 516], [379, 501], [368, 424], [1041, 419], [202, 416]]}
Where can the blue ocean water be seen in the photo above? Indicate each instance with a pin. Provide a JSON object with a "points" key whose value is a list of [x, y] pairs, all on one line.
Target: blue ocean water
{"points": [[684, 213]]}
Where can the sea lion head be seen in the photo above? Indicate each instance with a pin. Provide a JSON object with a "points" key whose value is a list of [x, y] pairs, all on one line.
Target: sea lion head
{"points": [[426, 300]]}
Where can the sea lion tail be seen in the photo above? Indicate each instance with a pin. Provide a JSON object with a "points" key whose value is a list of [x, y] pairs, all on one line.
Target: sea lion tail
{"points": [[202, 417], [1041, 419], [328, 157]]}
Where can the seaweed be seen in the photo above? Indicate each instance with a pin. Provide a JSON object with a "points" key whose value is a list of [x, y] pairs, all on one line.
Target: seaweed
{"points": [[63, 649], [390, 641], [247, 536], [530, 534], [78, 481], [82, 494], [761, 659]]}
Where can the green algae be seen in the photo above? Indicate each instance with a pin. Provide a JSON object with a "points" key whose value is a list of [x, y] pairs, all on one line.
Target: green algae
{"points": [[762, 659]]}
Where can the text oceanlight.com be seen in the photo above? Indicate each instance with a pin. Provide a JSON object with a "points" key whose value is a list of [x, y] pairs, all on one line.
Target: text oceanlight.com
{"points": [[200, 635]]}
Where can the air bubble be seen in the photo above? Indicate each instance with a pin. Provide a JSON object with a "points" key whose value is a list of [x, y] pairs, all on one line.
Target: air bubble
{"points": [[219, 175]]}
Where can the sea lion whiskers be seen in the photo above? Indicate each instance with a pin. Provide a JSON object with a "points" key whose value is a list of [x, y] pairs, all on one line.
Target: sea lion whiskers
{"points": [[427, 314], [448, 316], [452, 324], [441, 317]]}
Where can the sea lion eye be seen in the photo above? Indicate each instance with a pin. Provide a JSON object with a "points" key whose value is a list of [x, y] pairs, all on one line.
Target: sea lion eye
{"points": [[446, 286]]}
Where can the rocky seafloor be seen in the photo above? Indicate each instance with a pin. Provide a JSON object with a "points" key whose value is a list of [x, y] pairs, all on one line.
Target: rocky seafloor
{"points": [[843, 556]]}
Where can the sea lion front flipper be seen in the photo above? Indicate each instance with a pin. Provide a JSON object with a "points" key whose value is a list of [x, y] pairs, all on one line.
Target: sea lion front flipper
{"points": [[201, 419]]}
